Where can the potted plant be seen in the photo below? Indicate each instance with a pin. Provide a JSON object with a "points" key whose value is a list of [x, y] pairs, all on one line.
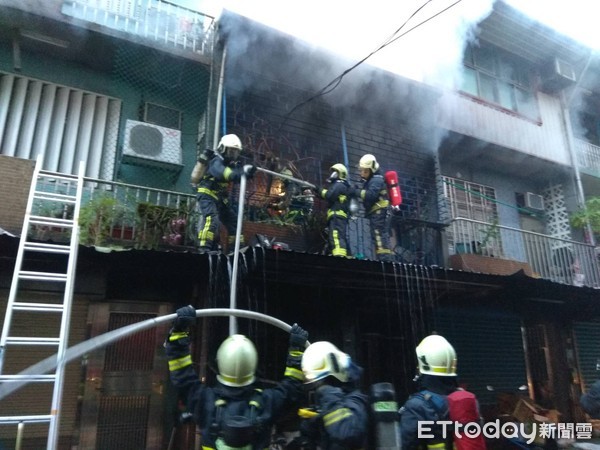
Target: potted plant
{"points": [[590, 215], [97, 218]]}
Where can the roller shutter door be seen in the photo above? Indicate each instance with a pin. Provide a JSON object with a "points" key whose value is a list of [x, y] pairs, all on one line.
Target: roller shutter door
{"points": [[587, 339], [489, 349]]}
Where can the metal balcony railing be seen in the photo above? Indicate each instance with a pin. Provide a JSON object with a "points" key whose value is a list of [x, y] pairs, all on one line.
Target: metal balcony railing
{"points": [[588, 156], [116, 215], [155, 20], [555, 259]]}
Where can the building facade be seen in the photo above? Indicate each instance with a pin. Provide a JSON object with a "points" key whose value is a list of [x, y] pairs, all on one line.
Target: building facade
{"points": [[490, 173]]}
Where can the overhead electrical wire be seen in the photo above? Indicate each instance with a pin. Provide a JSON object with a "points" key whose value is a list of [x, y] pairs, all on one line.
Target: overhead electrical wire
{"points": [[337, 80]]}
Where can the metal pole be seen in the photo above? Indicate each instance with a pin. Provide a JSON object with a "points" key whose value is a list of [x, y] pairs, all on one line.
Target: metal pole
{"points": [[19, 439], [575, 164], [287, 177], [236, 255]]}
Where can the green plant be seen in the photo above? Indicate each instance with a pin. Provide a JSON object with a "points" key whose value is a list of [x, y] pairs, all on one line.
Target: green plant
{"points": [[161, 225], [97, 217], [490, 239], [588, 215]]}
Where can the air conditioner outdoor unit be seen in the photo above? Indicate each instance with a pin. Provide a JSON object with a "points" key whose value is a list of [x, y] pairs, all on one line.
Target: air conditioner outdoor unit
{"points": [[564, 69], [557, 75], [534, 201], [149, 144]]}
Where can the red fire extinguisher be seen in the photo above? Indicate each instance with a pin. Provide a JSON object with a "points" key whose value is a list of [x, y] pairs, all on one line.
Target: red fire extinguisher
{"points": [[391, 180]]}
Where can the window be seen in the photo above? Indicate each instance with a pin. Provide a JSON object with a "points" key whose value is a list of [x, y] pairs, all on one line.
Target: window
{"points": [[477, 204], [162, 116], [500, 78]]}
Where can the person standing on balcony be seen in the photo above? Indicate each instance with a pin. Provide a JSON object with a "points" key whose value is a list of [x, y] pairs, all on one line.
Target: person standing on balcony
{"points": [[222, 168], [337, 195], [375, 198]]}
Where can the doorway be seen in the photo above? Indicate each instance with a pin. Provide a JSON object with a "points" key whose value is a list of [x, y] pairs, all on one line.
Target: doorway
{"points": [[124, 402]]}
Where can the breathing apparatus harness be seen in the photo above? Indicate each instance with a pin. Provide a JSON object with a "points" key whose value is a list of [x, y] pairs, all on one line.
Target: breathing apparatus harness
{"points": [[237, 431]]}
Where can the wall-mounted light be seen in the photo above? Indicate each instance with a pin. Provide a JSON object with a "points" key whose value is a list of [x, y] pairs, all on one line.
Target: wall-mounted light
{"points": [[44, 38]]}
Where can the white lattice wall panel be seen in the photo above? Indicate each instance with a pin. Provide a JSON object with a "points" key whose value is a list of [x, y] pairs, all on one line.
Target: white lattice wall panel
{"points": [[557, 218]]}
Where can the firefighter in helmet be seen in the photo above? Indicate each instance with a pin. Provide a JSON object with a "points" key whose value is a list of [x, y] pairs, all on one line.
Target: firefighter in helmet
{"points": [[337, 195], [213, 197], [339, 419], [234, 413], [437, 375], [374, 196]]}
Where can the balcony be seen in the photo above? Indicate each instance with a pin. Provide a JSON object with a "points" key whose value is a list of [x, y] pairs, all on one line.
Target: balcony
{"points": [[117, 215], [542, 256], [154, 21]]}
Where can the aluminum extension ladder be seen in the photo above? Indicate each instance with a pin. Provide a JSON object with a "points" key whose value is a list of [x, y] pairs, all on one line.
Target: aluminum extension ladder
{"points": [[61, 196]]}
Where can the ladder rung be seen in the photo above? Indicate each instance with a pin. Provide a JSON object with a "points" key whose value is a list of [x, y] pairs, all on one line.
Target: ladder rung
{"points": [[29, 419], [46, 248], [42, 276], [53, 196], [52, 221], [30, 306], [57, 175], [30, 378], [18, 340]]}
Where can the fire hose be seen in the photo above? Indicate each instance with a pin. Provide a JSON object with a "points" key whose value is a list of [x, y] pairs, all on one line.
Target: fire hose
{"points": [[287, 177], [238, 235], [50, 363]]}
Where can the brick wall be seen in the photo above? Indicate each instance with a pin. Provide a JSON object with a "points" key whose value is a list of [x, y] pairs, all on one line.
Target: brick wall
{"points": [[273, 104], [15, 181], [267, 107]]}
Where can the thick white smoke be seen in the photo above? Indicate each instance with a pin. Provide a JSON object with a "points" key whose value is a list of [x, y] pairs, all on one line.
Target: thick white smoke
{"points": [[431, 53]]}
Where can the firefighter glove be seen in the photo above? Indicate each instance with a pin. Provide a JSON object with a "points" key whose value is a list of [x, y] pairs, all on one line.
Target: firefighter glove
{"points": [[249, 170], [309, 428], [298, 337], [186, 317]]}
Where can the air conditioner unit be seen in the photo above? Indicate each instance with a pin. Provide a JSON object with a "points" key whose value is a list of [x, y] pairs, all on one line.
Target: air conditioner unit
{"points": [[564, 69], [534, 201], [557, 75], [152, 145]]}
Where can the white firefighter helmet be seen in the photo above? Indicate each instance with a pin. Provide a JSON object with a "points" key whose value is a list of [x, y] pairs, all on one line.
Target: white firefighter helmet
{"points": [[339, 172], [436, 356], [322, 359], [236, 360], [230, 146], [368, 161]]}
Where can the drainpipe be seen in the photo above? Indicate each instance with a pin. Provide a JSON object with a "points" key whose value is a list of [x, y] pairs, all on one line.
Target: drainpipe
{"points": [[565, 102], [219, 99], [345, 147]]}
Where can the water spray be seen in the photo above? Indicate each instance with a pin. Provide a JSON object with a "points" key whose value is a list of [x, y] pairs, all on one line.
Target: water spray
{"points": [[50, 363]]}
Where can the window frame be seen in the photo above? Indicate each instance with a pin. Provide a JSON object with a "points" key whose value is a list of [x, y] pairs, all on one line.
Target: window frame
{"points": [[498, 69]]}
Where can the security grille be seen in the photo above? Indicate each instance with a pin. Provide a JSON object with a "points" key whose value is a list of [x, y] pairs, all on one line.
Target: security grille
{"points": [[64, 124]]}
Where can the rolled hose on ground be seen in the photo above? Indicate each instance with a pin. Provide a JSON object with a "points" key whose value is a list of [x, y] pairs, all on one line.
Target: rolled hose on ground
{"points": [[50, 363]]}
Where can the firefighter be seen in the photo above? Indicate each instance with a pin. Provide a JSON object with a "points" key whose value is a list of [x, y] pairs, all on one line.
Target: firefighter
{"points": [[213, 196], [235, 413], [339, 419], [337, 195], [437, 374], [375, 198]]}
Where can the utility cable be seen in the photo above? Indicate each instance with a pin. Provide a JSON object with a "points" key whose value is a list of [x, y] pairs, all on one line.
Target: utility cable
{"points": [[337, 80]]}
